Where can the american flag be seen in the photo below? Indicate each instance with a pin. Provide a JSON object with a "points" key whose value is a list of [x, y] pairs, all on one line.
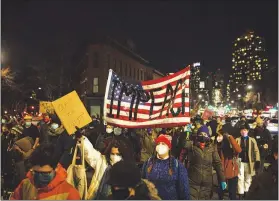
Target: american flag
{"points": [[170, 109]]}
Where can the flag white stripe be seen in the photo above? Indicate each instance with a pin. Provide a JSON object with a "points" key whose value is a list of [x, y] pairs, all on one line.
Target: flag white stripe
{"points": [[161, 84], [146, 107], [143, 116], [163, 91], [166, 121]]}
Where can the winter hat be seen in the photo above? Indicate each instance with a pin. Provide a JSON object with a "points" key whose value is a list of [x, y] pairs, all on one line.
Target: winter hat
{"points": [[203, 129], [124, 174], [244, 126], [164, 138], [28, 117]]}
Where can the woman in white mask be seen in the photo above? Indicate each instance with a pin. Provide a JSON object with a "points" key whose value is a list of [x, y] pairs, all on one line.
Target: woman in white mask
{"points": [[167, 173], [116, 151]]}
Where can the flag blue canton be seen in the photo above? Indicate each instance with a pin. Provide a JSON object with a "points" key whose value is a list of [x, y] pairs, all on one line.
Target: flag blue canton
{"points": [[117, 90]]}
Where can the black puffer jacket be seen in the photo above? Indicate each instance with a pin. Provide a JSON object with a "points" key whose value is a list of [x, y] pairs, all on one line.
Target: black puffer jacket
{"points": [[200, 171]]}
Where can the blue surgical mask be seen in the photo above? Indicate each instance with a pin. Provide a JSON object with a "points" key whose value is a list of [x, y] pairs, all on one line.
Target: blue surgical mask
{"points": [[42, 179], [54, 126]]}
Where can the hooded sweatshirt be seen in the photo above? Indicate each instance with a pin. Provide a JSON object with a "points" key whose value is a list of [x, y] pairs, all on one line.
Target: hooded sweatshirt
{"points": [[57, 189]]}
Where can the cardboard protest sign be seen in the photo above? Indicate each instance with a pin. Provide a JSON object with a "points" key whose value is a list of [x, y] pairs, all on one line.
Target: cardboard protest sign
{"points": [[207, 114], [163, 102], [46, 107], [71, 112]]}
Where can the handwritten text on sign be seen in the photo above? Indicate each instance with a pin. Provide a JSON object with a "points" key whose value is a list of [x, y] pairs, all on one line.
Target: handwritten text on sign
{"points": [[46, 107], [71, 112]]}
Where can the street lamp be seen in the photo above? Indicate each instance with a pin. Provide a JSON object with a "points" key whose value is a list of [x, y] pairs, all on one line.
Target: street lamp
{"points": [[232, 101], [200, 96], [239, 96], [39, 88], [31, 97]]}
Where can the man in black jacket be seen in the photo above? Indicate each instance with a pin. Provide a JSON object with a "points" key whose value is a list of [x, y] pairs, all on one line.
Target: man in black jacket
{"points": [[228, 128], [264, 140]]}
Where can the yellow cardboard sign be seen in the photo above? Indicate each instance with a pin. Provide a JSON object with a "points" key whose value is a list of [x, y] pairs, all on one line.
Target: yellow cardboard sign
{"points": [[46, 107], [71, 112]]}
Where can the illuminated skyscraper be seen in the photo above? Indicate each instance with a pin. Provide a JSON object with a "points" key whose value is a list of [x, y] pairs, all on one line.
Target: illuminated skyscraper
{"points": [[249, 59]]}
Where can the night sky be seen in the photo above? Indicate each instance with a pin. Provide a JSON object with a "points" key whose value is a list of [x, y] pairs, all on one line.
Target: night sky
{"points": [[170, 34]]}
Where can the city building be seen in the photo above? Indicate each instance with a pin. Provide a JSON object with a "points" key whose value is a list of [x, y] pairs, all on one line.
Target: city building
{"points": [[249, 61], [100, 56], [195, 83]]}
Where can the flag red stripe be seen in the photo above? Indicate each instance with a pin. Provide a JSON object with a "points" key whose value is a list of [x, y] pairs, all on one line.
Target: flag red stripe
{"points": [[125, 118], [150, 82], [166, 125]]}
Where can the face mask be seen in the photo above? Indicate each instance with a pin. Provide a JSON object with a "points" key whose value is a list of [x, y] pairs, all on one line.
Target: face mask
{"points": [[219, 138], [4, 121], [162, 149], [203, 139], [120, 194], [28, 124], [244, 133], [42, 179], [117, 131], [54, 126], [115, 158], [109, 130]]}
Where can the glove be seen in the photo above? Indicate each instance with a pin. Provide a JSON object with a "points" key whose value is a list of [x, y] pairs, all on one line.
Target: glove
{"points": [[223, 185], [257, 165]]}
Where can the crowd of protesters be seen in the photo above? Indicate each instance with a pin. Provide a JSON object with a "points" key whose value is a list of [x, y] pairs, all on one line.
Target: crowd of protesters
{"points": [[145, 164]]}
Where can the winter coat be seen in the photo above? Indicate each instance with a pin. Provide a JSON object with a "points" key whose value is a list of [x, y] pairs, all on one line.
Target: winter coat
{"points": [[200, 170], [57, 189], [99, 163], [262, 136], [229, 154], [265, 185], [253, 153], [173, 186]]}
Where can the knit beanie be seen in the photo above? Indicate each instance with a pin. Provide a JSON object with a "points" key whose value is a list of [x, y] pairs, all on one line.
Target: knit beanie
{"points": [[124, 174], [203, 129], [165, 139]]}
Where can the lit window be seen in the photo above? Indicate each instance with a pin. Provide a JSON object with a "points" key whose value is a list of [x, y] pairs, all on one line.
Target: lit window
{"points": [[95, 85]]}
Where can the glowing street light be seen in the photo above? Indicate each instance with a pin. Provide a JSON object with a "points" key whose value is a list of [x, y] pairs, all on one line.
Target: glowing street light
{"points": [[200, 96], [31, 97], [239, 96], [232, 101], [39, 88], [6, 112], [249, 87]]}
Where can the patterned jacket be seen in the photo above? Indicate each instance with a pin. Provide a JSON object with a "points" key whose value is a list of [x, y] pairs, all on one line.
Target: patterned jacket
{"points": [[57, 189]]}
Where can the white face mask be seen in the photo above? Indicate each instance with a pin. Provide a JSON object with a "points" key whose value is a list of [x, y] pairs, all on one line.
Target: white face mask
{"points": [[115, 158], [28, 124], [162, 149], [109, 130], [54, 126], [117, 131], [219, 138]]}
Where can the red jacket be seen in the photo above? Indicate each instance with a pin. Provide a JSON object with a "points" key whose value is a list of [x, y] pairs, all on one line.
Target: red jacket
{"points": [[57, 189], [230, 164]]}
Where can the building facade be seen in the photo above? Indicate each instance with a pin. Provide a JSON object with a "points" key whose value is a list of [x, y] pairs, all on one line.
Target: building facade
{"points": [[101, 56], [249, 61]]}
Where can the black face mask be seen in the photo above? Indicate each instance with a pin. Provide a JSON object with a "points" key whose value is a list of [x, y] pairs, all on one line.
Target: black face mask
{"points": [[202, 139], [120, 194]]}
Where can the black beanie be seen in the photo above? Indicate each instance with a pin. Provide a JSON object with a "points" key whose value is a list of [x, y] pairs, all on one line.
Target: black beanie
{"points": [[124, 174]]}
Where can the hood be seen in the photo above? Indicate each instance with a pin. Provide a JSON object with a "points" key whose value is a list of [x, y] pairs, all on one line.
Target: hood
{"points": [[60, 177]]}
